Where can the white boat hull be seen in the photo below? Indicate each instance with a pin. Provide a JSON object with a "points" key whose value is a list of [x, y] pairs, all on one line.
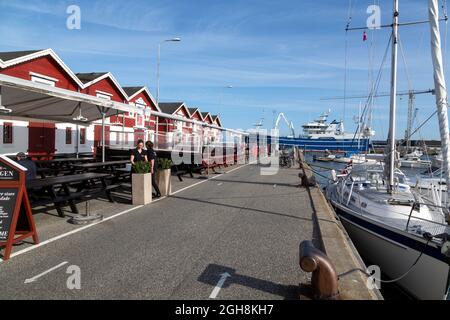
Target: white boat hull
{"points": [[414, 164], [436, 163], [428, 280]]}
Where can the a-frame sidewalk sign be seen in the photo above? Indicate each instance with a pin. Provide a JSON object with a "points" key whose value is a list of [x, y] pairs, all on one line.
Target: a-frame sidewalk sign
{"points": [[16, 218]]}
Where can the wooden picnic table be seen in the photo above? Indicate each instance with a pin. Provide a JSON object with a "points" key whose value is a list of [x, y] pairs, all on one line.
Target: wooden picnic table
{"points": [[123, 157], [108, 165], [64, 160], [86, 187], [61, 165]]}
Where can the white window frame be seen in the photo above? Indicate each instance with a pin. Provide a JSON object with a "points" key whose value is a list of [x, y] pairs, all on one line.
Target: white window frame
{"points": [[42, 79], [142, 106], [103, 95]]}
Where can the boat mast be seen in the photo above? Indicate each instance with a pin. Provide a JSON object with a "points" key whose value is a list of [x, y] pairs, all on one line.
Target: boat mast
{"points": [[440, 87], [393, 100]]}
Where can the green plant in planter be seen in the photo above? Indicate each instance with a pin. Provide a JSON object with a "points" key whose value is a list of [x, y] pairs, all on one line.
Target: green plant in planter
{"points": [[142, 167], [164, 164]]}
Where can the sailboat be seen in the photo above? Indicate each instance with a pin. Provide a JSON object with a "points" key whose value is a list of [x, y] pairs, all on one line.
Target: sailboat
{"points": [[414, 160], [436, 161], [392, 226]]}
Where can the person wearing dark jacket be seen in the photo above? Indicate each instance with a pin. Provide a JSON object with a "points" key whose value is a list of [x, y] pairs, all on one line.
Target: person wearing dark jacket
{"points": [[152, 157], [21, 159], [138, 154]]}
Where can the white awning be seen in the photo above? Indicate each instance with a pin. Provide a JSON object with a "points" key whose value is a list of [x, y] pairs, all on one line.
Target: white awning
{"points": [[27, 99]]}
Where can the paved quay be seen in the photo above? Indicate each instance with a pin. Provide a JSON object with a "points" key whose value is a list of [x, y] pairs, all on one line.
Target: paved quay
{"points": [[240, 227]]}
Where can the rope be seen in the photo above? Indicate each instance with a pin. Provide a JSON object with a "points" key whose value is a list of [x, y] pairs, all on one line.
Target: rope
{"points": [[386, 281]]}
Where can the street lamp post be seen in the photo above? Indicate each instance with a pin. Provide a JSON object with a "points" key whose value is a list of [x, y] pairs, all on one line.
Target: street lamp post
{"points": [[222, 96], [159, 65], [228, 87], [158, 81]]}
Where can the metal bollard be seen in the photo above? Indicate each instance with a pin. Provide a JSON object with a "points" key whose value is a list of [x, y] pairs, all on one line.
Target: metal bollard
{"points": [[324, 276]]}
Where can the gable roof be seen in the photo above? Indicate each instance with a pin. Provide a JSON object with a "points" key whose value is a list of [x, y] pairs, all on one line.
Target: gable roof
{"points": [[89, 77], [9, 59], [93, 77], [217, 118], [171, 107], [134, 91], [6, 56], [193, 111]]}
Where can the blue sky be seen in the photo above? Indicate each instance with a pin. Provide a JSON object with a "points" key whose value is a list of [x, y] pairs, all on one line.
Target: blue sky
{"points": [[285, 55]]}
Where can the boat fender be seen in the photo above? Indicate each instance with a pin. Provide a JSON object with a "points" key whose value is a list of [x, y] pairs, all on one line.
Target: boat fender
{"points": [[333, 175], [446, 249], [428, 236]]}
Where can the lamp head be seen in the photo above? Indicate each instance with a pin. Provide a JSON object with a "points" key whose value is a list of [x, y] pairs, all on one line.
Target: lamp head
{"points": [[3, 109], [174, 40]]}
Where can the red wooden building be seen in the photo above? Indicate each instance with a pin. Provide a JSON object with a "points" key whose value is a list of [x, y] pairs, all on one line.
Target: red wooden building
{"points": [[39, 137]]}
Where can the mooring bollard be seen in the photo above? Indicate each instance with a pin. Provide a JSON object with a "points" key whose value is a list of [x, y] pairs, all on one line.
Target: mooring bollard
{"points": [[324, 280]]}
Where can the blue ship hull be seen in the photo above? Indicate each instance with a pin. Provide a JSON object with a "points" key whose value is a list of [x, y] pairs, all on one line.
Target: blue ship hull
{"points": [[341, 145]]}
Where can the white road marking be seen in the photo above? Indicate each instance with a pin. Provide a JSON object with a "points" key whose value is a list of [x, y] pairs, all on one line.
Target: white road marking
{"points": [[64, 235], [219, 184], [223, 278], [35, 278]]}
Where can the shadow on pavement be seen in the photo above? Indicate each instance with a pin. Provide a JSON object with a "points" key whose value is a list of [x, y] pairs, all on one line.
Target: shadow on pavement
{"points": [[213, 273]]}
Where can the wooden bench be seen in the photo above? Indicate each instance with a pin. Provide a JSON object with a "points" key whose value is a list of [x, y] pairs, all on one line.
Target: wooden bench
{"points": [[180, 171], [85, 185]]}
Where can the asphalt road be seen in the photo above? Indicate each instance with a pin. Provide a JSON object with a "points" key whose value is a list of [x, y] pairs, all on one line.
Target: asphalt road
{"points": [[241, 225]]}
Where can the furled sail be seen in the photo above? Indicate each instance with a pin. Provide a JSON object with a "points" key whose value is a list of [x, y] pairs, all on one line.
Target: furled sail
{"points": [[440, 86]]}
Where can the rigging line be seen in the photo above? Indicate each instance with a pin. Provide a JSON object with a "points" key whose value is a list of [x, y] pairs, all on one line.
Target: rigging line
{"points": [[376, 86], [444, 10], [349, 21], [418, 128], [345, 72], [408, 77]]}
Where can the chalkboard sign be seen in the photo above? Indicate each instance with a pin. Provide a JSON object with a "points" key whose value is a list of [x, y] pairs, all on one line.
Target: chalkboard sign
{"points": [[8, 198], [7, 173], [16, 218]]}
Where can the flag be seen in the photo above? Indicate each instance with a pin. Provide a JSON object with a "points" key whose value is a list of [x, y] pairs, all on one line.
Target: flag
{"points": [[364, 36]]}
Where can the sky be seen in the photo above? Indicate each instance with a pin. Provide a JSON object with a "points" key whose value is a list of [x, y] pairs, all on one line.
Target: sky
{"points": [[290, 56]]}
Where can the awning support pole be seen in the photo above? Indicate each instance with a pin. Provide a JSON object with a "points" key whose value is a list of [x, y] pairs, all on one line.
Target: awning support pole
{"points": [[103, 134], [102, 111]]}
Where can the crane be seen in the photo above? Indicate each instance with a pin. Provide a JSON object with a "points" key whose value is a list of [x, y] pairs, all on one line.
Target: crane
{"points": [[412, 112], [290, 124]]}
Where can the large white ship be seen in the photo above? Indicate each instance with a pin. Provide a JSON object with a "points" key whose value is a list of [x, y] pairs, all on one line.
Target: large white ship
{"points": [[319, 135]]}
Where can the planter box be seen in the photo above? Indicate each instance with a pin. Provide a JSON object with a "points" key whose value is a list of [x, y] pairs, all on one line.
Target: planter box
{"points": [[163, 178], [142, 188]]}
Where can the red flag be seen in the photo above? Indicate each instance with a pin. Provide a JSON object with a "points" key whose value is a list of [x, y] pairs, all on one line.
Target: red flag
{"points": [[364, 36]]}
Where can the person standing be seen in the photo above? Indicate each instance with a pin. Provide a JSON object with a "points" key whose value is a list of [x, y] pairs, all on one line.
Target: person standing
{"points": [[138, 154], [152, 157]]}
